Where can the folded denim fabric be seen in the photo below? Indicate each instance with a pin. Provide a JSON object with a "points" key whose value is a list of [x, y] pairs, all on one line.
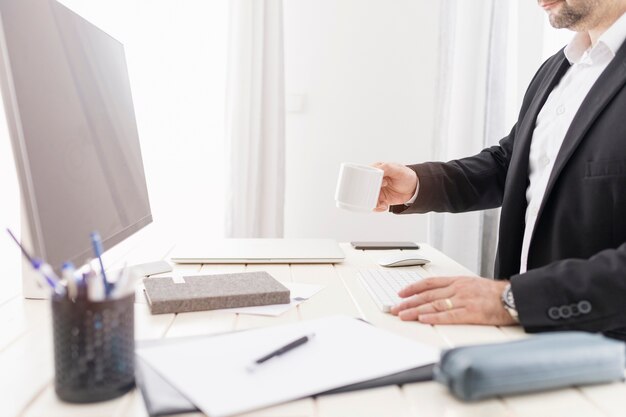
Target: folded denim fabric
{"points": [[537, 363]]}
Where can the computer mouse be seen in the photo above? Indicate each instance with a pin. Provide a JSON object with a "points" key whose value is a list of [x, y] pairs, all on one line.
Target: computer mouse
{"points": [[402, 259]]}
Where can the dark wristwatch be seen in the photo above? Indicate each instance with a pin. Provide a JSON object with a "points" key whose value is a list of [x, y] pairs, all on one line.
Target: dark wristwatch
{"points": [[508, 302]]}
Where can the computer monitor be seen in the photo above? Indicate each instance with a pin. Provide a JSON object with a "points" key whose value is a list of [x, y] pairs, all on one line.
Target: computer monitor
{"points": [[71, 119]]}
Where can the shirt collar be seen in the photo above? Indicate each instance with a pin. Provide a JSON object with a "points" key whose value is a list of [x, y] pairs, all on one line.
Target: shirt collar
{"points": [[610, 40]]}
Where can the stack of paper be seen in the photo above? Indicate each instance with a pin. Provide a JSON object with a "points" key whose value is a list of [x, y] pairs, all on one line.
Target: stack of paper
{"points": [[299, 294], [213, 374]]}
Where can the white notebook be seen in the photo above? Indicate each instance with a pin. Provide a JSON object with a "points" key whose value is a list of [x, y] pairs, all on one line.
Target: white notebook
{"points": [[212, 372]]}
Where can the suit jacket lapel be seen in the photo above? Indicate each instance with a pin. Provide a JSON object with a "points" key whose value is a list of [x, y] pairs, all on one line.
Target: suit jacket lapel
{"points": [[526, 127], [609, 83], [514, 202]]}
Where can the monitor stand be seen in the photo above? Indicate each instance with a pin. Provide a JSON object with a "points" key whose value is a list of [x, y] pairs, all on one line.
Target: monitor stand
{"points": [[151, 268]]}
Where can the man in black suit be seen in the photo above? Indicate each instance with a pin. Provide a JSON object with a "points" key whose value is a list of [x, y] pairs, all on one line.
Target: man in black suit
{"points": [[560, 178]]}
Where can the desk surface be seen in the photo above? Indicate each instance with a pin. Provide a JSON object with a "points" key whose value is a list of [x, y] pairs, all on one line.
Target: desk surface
{"points": [[26, 367]]}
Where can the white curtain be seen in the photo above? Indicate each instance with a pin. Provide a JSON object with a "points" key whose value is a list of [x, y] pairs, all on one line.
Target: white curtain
{"points": [[255, 120], [470, 116]]}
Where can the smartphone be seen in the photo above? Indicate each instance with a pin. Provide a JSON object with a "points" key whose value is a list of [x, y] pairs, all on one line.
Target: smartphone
{"points": [[384, 245]]}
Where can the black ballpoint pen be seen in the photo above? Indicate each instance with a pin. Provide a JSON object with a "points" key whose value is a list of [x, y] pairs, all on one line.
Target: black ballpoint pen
{"points": [[284, 349]]}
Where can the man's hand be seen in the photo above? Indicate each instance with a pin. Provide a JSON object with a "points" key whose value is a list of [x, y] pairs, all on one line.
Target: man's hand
{"points": [[454, 300], [399, 185]]}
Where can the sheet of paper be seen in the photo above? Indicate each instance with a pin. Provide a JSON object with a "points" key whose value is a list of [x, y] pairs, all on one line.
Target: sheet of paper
{"points": [[299, 294], [212, 373]]}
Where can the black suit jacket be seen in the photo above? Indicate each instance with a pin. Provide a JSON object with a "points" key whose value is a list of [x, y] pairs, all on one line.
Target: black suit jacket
{"points": [[576, 275]]}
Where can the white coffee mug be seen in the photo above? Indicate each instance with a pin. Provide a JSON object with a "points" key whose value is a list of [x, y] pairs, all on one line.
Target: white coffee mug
{"points": [[358, 187]]}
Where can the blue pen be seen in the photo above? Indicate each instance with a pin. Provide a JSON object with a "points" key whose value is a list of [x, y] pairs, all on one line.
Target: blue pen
{"points": [[96, 242], [45, 270], [49, 276]]}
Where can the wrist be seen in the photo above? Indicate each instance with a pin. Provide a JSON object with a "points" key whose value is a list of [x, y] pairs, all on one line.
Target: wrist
{"points": [[415, 192]]}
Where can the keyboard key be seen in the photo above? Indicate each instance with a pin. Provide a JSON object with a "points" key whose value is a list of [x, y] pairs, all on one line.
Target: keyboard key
{"points": [[383, 285]]}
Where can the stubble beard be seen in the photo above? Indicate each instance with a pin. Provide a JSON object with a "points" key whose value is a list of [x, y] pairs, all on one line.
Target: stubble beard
{"points": [[572, 18]]}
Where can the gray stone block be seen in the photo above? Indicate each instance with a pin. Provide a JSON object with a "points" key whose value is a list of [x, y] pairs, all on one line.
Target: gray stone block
{"points": [[210, 292]]}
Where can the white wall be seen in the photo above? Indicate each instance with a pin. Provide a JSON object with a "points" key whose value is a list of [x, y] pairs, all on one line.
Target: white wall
{"points": [[366, 72], [176, 53]]}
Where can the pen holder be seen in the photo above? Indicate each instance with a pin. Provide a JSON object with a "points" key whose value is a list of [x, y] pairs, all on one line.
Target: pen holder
{"points": [[94, 348]]}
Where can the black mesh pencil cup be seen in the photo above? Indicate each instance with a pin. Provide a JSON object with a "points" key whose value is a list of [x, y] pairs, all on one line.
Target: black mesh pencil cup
{"points": [[94, 348]]}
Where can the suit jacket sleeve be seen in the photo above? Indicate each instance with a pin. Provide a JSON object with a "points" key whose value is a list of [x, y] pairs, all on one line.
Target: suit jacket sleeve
{"points": [[582, 294], [468, 184]]}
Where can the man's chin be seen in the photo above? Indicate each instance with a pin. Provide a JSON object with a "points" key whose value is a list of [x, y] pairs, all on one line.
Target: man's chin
{"points": [[554, 21], [553, 10]]}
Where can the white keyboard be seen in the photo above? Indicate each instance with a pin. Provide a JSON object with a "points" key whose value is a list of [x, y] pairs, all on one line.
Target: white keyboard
{"points": [[383, 285]]}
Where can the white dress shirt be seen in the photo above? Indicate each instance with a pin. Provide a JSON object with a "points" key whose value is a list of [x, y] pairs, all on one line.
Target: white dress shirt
{"points": [[588, 62]]}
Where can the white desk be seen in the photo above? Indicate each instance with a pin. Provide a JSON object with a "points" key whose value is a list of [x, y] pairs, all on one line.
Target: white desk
{"points": [[26, 367]]}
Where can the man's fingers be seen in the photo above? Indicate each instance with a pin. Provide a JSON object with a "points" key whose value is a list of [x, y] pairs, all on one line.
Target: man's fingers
{"points": [[383, 201], [474, 301], [423, 299], [456, 316], [382, 204], [437, 306], [425, 285], [409, 314], [381, 165]]}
